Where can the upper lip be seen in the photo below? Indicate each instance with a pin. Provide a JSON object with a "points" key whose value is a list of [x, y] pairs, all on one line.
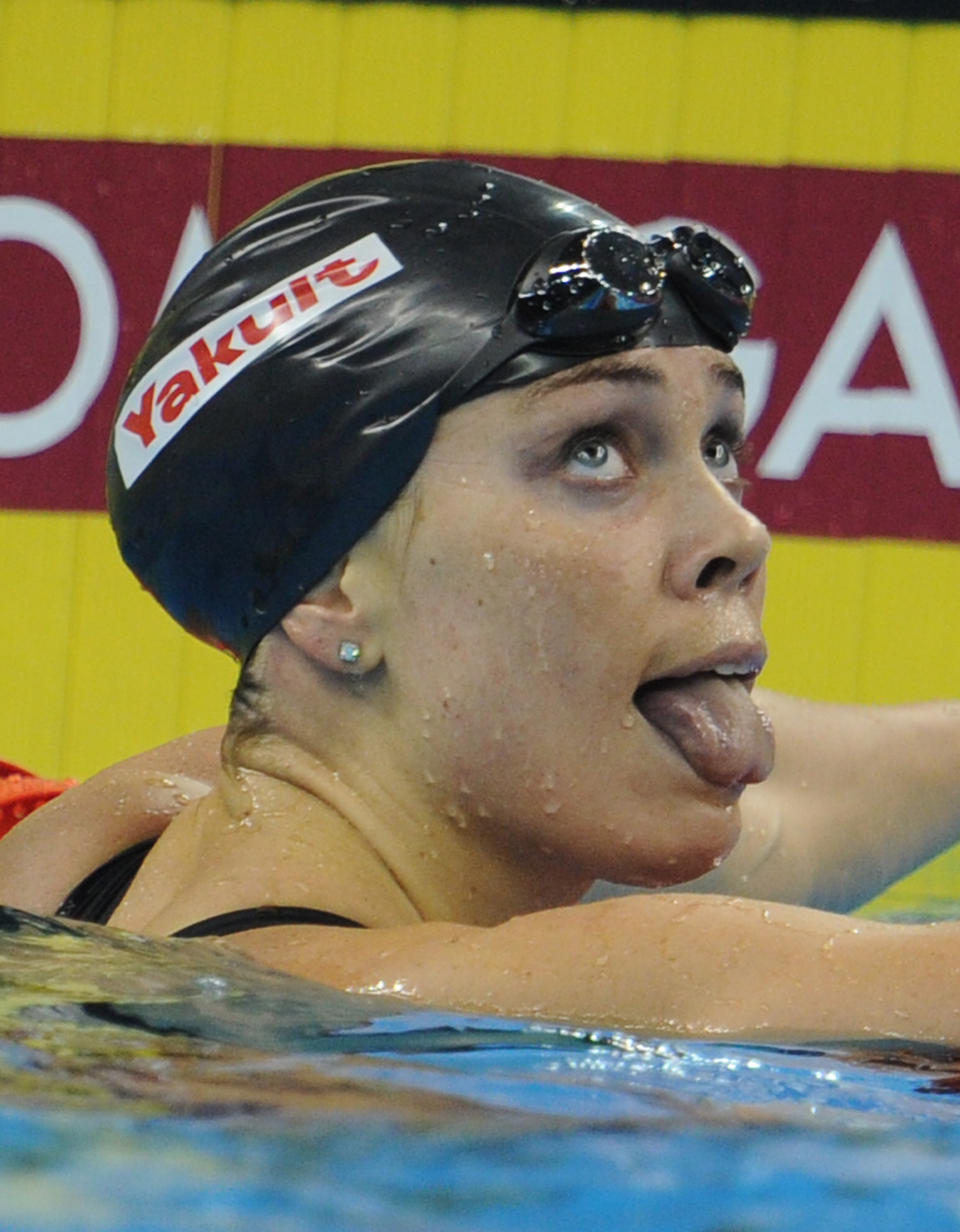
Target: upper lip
{"points": [[742, 659]]}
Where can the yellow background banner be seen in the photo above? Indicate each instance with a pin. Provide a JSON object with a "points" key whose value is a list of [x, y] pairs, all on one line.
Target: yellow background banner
{"points": [[536, 81]]}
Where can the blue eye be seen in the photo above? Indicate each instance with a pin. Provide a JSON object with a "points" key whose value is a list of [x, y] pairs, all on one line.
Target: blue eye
{"points": [[722, 455], [595, 457]]}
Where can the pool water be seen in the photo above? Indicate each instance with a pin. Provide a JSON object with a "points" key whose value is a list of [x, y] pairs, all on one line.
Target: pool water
{"points": [[156, 1085]]}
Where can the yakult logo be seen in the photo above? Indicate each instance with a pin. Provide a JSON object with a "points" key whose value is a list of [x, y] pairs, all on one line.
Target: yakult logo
{"points": [[172, 392]]}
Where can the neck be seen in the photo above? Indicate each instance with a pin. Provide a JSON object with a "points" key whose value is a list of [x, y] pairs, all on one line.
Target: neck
{"points": [[363, 832]]}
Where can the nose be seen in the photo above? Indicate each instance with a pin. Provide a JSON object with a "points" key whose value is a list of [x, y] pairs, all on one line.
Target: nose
{"points": [[720, 548]]}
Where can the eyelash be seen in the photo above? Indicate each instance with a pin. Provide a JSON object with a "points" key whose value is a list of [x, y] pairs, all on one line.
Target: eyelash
{"points": [[730, 435]]}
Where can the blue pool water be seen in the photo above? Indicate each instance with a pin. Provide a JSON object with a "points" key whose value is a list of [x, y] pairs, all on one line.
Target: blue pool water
{"points": [[149, 1085]]}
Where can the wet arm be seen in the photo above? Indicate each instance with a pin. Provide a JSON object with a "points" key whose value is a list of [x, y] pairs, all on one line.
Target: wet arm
{"points": [[859, 797], [668, 965]]}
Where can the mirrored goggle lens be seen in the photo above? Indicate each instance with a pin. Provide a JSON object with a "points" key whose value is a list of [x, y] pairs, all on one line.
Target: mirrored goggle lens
{"points": [[590, 284], [711, 277]]}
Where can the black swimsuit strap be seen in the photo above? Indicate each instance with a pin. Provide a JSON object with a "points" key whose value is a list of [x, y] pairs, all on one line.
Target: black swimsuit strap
{"points": [[98, 896], [262, 917]]}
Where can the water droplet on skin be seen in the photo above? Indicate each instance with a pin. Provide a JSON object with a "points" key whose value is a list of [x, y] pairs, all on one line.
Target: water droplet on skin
{"points": [[549, 781], [552, 806], [456, 815], [629, 720], [489, 561]]}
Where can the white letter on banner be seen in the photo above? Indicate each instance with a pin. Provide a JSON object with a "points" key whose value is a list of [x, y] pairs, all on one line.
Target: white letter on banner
{"points": [[195, 239], [886, 290], [57, 232]]}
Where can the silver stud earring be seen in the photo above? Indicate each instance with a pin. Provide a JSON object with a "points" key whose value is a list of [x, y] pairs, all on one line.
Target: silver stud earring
{"points": [[349, 652]]}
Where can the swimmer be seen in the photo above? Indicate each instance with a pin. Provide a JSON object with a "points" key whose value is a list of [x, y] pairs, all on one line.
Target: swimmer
{"points": [[448, 459]]}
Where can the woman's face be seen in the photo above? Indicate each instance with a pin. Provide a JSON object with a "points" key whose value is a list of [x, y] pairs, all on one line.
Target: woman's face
{"points": [[578, 627]]}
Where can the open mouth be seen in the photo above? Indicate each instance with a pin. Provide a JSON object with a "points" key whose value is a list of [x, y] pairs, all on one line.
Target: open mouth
{"points": [[709, 717]]}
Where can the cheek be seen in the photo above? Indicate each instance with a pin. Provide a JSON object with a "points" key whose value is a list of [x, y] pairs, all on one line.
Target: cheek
{"points": [[530, 650], [521, 695], [529, 603]]}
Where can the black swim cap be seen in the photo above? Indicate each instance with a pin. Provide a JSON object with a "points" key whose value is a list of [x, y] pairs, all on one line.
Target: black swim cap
{"points": [[291, 387]]}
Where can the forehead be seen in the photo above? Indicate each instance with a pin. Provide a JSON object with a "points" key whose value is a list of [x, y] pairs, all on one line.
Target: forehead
{"points": [[669, 369], [648, 380]]}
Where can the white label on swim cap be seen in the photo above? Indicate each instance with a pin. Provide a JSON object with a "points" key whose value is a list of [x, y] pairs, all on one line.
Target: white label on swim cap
{"points": [[172, 392]]}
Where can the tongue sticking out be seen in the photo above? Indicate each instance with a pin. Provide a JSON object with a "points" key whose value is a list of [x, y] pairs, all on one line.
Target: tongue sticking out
{"points": [[714, 723]]}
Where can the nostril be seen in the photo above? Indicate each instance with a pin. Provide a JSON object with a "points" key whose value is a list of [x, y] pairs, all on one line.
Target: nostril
{"points": [[715, 571]]}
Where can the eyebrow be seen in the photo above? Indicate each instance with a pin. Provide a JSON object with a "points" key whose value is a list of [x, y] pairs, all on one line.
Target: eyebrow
{"points": [[605, 368], [627, 372], [729, 376]]}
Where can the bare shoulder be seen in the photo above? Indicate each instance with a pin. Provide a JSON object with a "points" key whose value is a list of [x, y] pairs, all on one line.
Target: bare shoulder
{"points": [[52, 850], [685, 964]]}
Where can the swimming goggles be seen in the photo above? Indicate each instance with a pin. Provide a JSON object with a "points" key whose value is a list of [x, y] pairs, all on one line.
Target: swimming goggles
{"points": [[603, 289]]}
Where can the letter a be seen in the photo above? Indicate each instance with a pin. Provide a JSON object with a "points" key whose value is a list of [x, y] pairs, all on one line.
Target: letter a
{"points": [[175, 395], [886, 290]]}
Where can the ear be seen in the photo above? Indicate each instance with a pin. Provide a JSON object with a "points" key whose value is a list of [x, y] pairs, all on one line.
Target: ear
{"points": [[334, 624]]}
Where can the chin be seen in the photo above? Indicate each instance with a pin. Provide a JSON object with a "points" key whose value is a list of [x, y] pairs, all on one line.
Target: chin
{"points": [[700, 842]]}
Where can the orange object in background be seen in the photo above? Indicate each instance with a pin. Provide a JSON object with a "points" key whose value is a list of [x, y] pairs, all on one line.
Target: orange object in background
{"points": [[21, 792]]}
